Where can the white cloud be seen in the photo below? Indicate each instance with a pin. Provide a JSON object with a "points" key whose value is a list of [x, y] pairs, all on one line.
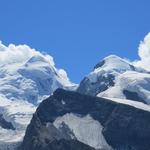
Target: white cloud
{"points": [[19, 54], [144, 53], [63, 74]]}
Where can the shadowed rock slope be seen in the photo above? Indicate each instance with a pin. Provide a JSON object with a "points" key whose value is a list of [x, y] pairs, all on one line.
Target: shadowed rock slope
{"points": [[124, 127]]}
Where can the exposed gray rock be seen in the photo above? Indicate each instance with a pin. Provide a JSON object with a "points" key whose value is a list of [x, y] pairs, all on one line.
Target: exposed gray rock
{"points": [[5, 124], [133, 96], [102, 83], [124, 127]]}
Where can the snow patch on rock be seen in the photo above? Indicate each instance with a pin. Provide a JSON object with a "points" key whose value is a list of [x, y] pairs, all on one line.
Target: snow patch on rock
{"points": [[132, 81], [86, 130]]}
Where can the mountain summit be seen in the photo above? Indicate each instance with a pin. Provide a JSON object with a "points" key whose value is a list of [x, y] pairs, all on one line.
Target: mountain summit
{"points": [[114, 62], [26, 78], [117, 78]]}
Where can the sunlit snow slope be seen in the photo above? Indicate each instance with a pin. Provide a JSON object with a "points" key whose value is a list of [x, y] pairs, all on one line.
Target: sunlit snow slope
{"points": [[26, 78], [117, 78]]}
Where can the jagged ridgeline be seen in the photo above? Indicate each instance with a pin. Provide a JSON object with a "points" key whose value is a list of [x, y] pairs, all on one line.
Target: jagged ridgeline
{"points": [[70, 121]]}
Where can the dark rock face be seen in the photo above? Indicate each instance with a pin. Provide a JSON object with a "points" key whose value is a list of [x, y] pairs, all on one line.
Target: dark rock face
{"points": [[124, 127], [100, 64], [132, 67], [93, 88], [128, 129], [133, 95], [66, 145], [5, 124]]}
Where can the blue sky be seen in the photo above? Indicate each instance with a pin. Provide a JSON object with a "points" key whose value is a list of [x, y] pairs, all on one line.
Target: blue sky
{"points": [[77, 33]]}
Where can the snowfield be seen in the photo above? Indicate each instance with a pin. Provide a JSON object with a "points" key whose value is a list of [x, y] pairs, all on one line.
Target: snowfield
{"points": [[135, 104], [85, 129], [27, 77], [113, 76], [132, 81], [19, 113]]}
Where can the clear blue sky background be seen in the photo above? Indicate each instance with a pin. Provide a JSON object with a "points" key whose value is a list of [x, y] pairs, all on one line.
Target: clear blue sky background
{"points": [[77, 33]]}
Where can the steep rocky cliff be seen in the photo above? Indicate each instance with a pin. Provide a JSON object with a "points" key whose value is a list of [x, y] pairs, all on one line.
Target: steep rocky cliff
{"points": [[69, 120]]}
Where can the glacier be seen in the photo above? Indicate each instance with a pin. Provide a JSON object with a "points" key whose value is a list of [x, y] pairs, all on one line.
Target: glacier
{"points": [[85, 129], [27, 77], [116, 77]]}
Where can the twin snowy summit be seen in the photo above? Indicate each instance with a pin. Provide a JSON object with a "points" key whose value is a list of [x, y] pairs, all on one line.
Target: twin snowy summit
{"points": [[41, 109]]}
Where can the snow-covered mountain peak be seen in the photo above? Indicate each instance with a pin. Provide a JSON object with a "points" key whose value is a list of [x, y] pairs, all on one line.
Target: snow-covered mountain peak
{"points": [[37, 59], [114, 62], [118, 78], [27, 74], [27, 77], [21, 54]]}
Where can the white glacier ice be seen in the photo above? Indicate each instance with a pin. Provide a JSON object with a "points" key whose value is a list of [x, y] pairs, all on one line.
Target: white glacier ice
{"points": [[85, 129], [27, 77]]}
